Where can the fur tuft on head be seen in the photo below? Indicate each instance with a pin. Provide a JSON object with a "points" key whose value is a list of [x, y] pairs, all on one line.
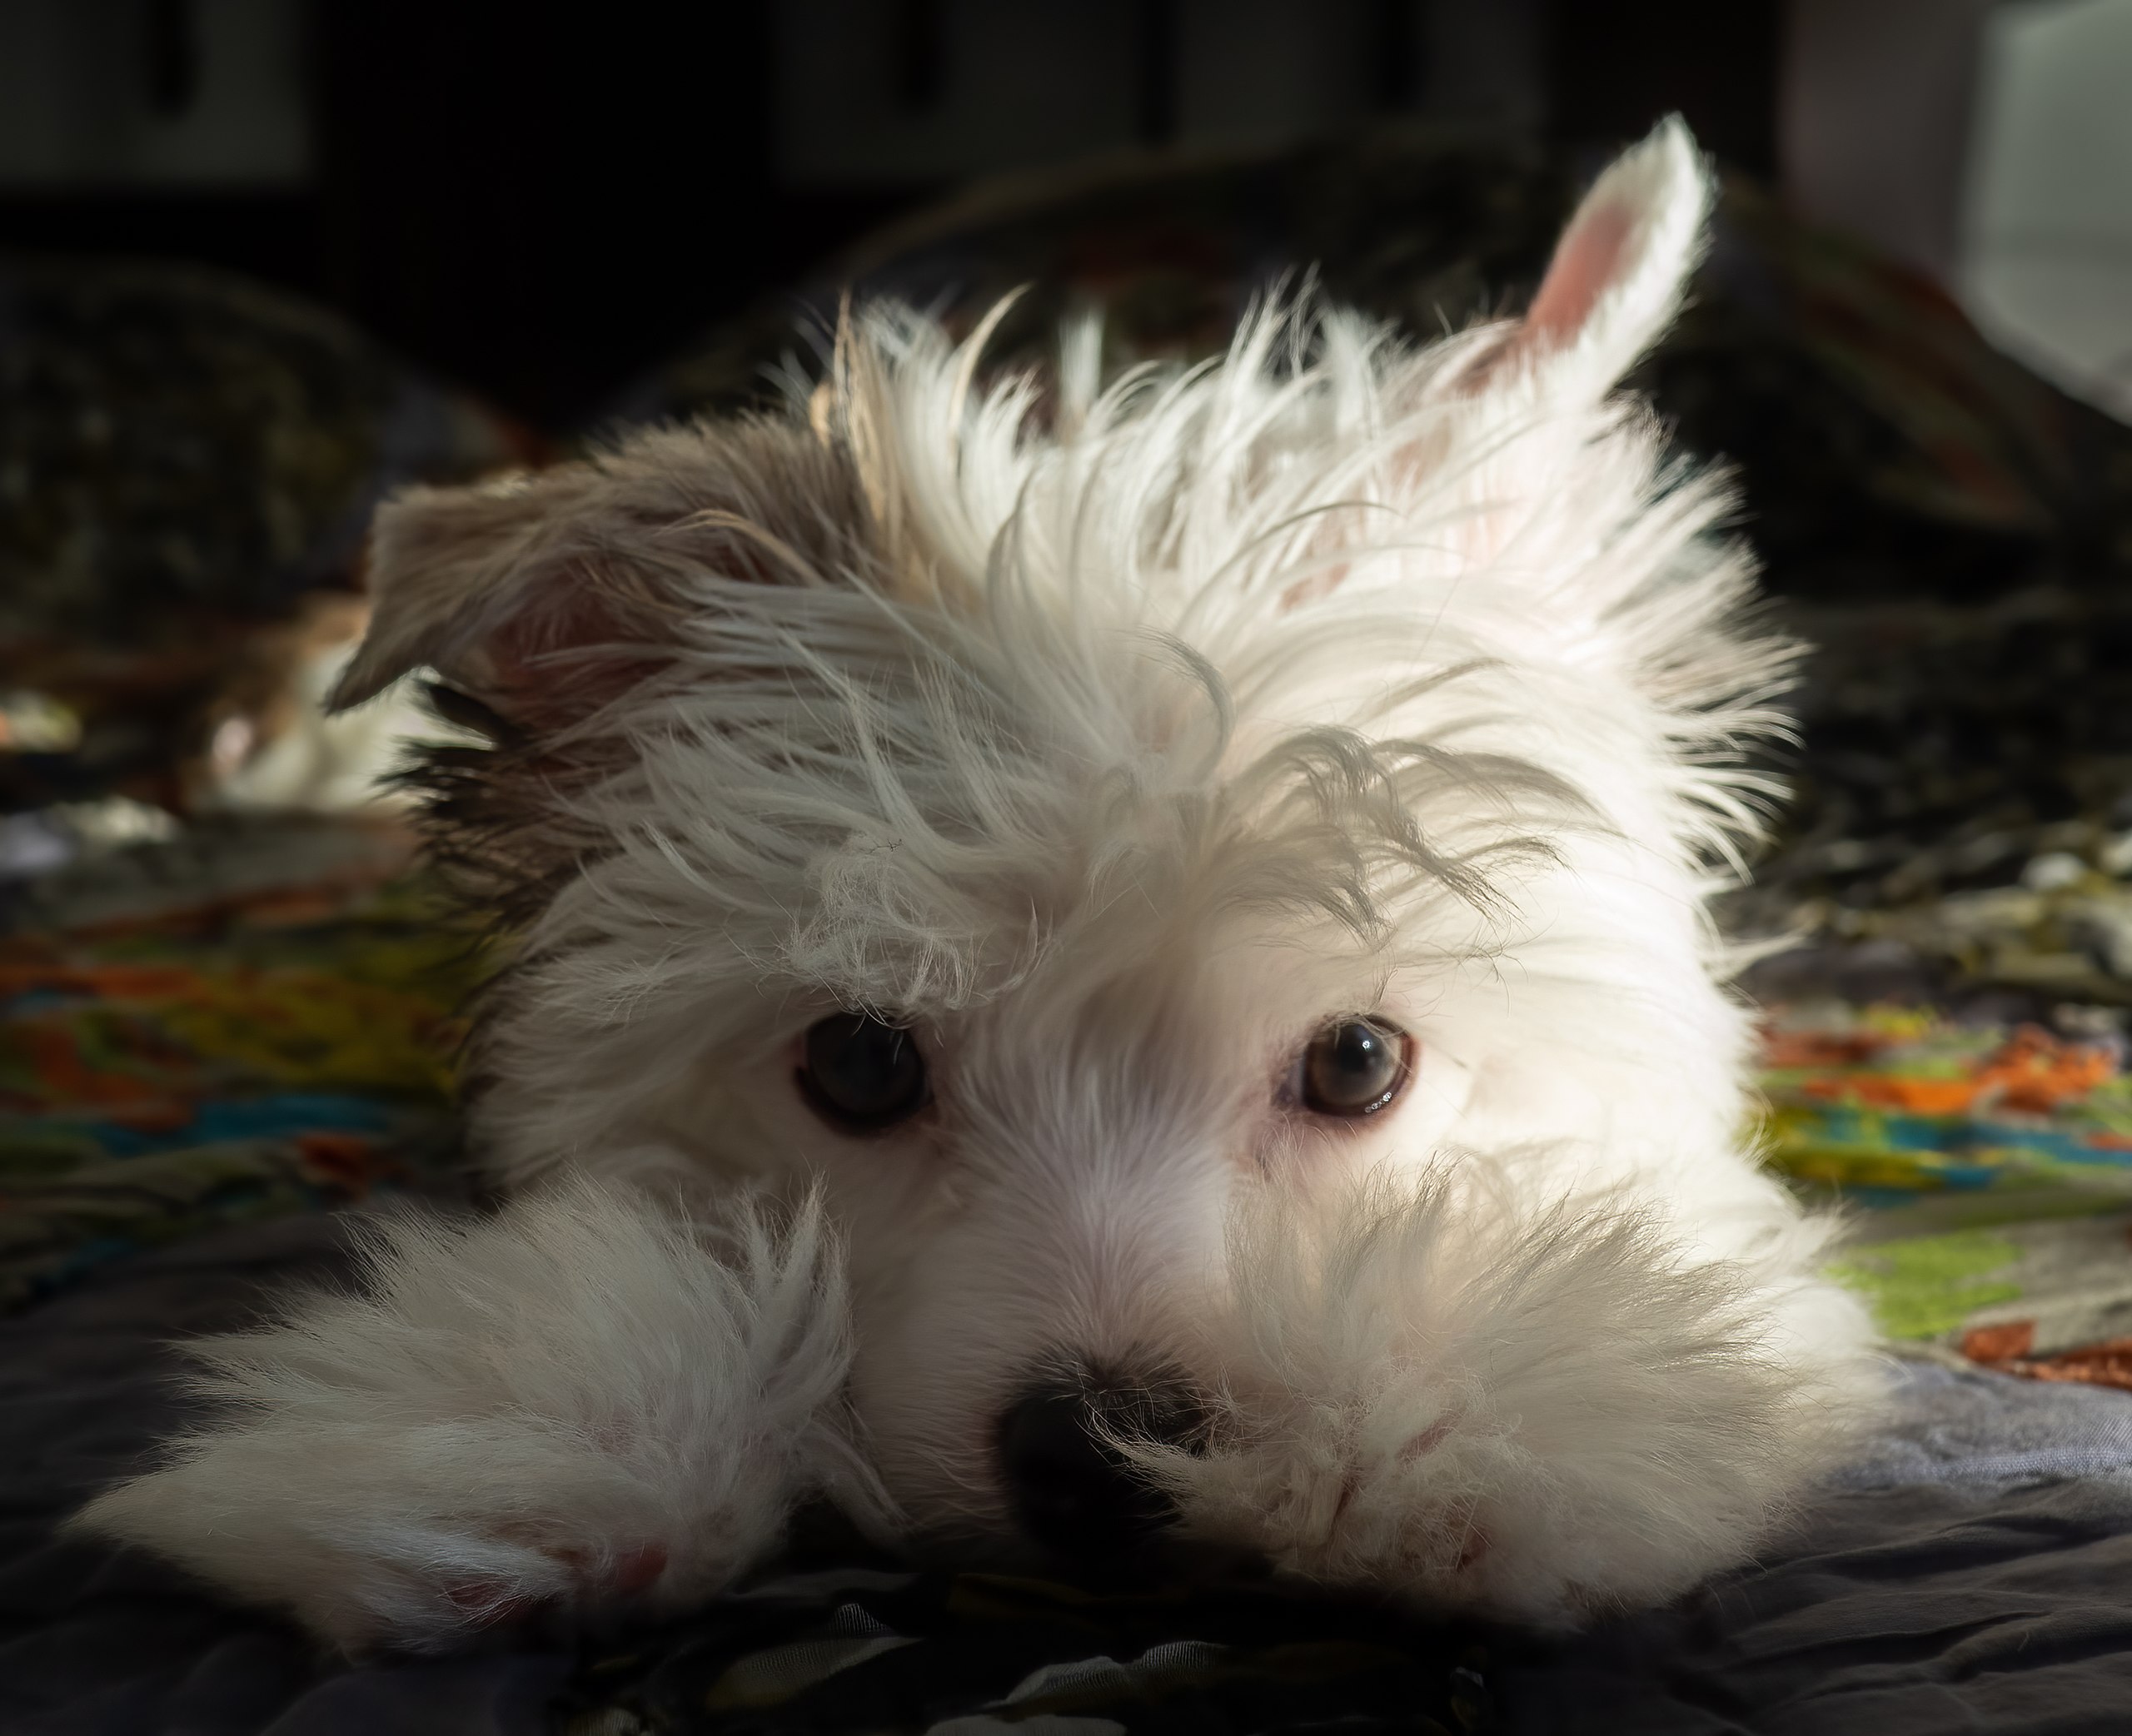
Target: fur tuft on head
{"points": [[874, 628]]}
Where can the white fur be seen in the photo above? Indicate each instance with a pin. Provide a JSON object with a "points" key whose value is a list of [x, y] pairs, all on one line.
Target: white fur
{"points": [[1118, 745], [520, 1413], [1541, 1413]]}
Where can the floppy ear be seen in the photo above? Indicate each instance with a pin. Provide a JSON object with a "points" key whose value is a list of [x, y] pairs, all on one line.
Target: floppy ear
{"points": [[546, 596], [1618, 272], [470, 580]]}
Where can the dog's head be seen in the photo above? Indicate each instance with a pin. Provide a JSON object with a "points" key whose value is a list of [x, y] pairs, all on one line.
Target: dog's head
{"points": [[1055, 818]]}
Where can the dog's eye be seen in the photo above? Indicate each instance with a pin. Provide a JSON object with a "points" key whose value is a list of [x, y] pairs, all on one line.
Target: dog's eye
{"points": [[1355, 1066], [863, 1074]]}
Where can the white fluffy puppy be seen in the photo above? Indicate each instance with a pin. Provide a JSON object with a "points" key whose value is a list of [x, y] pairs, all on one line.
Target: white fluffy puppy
{"points": [[1094, 970]]}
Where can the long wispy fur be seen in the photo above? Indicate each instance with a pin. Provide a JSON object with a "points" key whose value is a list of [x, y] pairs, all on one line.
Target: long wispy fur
{"points": [[1114, 741], [1542, 1412], [577, 1400]]}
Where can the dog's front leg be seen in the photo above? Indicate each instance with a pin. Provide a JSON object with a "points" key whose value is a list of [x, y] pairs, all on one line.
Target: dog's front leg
{"points": [[570, 1406], [1487, 1398]]}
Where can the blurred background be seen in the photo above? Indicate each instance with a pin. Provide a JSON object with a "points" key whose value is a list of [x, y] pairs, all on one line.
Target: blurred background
{"points": [[540, 200]]}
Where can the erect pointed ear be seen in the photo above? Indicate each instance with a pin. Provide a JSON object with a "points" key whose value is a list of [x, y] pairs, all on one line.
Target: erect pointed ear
{"points": [[1619, 270], [546, 596]]}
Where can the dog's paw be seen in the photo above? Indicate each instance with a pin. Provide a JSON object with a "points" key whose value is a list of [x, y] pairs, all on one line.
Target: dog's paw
{"points": [[1536, 1415], [568, 1409]]}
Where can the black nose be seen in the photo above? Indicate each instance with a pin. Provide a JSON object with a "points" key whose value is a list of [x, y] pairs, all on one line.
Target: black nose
{"points": [[1074, 1492]]}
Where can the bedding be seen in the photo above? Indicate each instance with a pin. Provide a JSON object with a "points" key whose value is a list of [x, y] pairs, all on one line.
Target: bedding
{"points": [[216, 1033], [279, 1048]]}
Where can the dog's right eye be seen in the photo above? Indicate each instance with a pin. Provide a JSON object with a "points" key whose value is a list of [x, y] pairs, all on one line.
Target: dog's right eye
{"points": [[1354, 1067], [861, 1074]]}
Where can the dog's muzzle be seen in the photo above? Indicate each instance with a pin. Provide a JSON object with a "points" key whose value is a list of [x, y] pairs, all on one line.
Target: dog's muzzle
{"points": [[1073, 1491]]}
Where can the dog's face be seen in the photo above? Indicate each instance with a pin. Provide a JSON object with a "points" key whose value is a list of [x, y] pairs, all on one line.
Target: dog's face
{"points": [[1066, 828]]}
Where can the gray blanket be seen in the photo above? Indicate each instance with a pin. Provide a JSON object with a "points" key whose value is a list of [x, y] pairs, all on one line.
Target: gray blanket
{"points": [[1971, 1572]]}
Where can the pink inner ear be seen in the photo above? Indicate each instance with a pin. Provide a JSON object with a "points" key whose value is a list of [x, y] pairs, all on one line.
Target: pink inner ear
{"points": [[1589, 262]]}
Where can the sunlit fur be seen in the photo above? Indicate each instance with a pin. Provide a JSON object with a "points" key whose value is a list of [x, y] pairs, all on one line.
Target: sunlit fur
{"points": [[1118, 740]]}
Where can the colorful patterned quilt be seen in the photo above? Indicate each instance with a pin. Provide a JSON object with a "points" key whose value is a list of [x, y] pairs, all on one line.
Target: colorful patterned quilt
{"points": [[1991, 1169], [227, 1044]]}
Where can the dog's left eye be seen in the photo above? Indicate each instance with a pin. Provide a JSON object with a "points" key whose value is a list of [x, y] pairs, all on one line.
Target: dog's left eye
{"points": [[1354, 1067], [862, 1074]]}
